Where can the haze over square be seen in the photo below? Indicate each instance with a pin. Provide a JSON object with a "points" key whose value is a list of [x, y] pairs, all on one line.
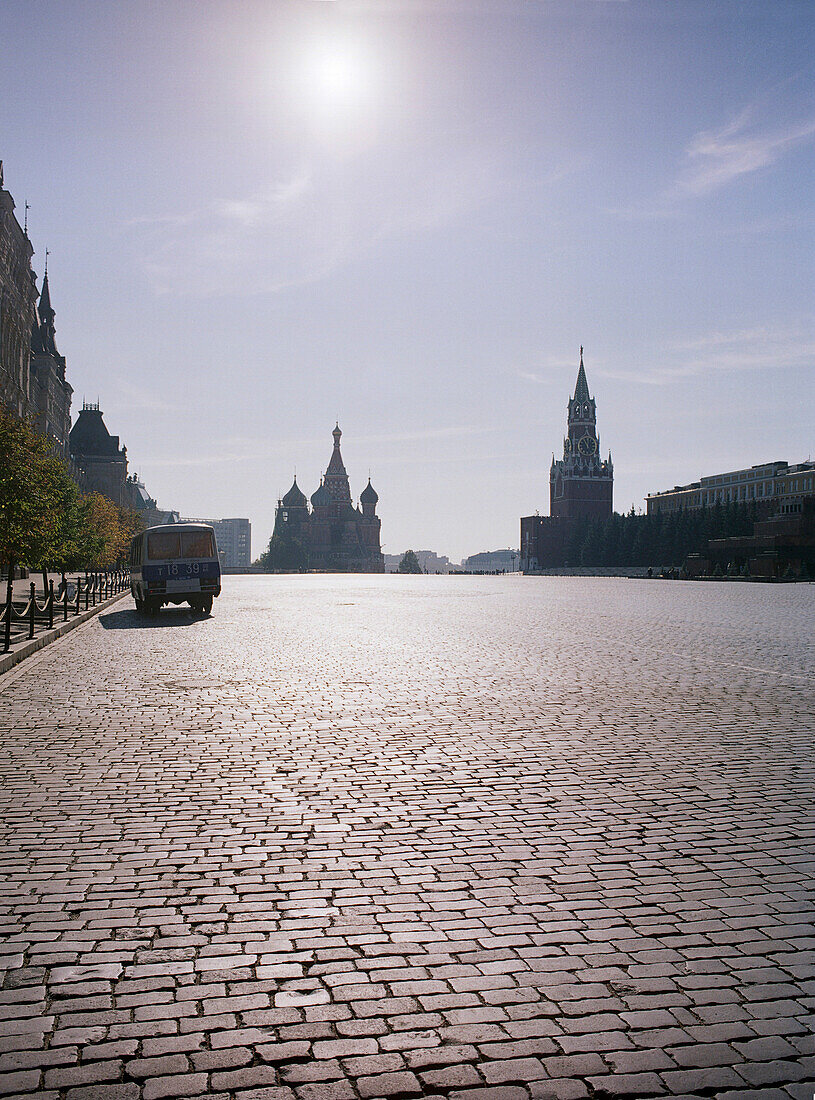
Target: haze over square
{"points": [[408, 216]]}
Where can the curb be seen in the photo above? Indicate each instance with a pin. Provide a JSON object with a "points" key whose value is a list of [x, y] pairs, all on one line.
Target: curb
{"points": [[9, 660]]}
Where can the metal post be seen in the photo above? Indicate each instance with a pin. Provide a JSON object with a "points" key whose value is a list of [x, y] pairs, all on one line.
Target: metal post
{"points": [[78, 593], [64, 598], [87, 591], [9, 597], [51, 604], [32, 608]]}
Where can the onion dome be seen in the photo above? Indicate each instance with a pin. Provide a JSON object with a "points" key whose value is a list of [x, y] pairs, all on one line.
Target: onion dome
{"points": [[295, 498], [321, 496], [369, 495]]}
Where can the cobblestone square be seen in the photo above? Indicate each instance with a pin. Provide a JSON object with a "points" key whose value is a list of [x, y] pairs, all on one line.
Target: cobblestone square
{"points": [[496, 838]]}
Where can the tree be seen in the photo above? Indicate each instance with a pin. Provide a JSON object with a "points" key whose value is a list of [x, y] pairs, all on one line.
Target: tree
{"points": [[284, 553], [32, 484], [409, 563]]}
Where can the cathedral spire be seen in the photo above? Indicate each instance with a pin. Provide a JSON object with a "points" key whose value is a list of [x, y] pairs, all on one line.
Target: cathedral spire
{"points": [[336, 465], [45, 308], [581, 390], [44, 333]]}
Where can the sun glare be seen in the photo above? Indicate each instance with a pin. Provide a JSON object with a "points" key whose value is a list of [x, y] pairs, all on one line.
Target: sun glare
{"points": [[337, 75]]}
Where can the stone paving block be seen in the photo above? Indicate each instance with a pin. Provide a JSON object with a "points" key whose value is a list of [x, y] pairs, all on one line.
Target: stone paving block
{"points": [[248, 1077], [629, 1085], [88, 1072], [501, 1092], [278, 1093], [389, 1084], [449, 1077], [188, 1084], [334, 1090], [512, 1070], [772, 1073], [104, 1092]]}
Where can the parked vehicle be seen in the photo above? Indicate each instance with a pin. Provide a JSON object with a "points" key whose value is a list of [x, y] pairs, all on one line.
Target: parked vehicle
{"points": [[175, 563]]}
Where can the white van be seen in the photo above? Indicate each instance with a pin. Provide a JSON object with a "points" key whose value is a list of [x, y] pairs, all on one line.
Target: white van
{"points": [[175, 563]]}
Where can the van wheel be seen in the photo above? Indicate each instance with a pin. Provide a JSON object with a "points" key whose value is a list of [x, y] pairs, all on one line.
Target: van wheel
{"points": [[195, 603], [206, 605], [151, 607]]}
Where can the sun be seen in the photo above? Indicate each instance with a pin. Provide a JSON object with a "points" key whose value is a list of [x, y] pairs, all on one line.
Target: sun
{"points": [[337, 75]]}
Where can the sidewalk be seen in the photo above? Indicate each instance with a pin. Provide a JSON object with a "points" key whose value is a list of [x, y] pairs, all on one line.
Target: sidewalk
{"points": [[22, 646]]}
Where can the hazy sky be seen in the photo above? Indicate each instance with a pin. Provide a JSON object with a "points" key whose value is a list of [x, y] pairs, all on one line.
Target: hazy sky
{"points": [[408, 214]]}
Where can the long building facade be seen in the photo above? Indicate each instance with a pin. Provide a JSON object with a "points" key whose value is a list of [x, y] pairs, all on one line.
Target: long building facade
{"points": [[774, 487], [581, 485], [334, 534]]}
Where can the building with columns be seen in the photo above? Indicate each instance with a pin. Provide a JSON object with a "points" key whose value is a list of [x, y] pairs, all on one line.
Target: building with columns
{"points": [[581, 485], [334, 534]]}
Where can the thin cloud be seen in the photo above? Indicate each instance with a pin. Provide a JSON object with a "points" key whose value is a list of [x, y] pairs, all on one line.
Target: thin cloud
{"points": [[715, 158], [306, 228], [552, 368], [248, 449], [760, 349]]}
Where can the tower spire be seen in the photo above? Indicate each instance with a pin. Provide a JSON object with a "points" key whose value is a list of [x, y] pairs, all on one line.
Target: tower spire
{"points": [[581, 389]]}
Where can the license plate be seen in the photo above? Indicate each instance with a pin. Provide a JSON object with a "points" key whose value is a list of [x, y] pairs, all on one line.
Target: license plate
{"points": [[183, 584]]}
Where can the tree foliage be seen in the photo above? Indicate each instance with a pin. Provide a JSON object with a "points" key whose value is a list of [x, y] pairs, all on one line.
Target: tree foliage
{"points": [[45, 521], [285, 553], [409, 563], [664, 539]]}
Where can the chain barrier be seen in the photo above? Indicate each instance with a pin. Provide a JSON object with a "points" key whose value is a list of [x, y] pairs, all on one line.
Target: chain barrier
{"points": [[90, 589]]}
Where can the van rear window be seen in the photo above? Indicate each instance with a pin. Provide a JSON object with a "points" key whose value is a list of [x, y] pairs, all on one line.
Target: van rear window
{"points": [[171, 545], [163, 544], [197, 544]]}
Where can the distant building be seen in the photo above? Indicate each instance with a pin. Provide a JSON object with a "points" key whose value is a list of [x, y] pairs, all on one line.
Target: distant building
{"points": [[234, 538], [780, 546], [492, 561], [430, 561], [102, 468], [774, 487], [18, 309], [581, 485], [140, 501], [333, 533], [99, 455]]}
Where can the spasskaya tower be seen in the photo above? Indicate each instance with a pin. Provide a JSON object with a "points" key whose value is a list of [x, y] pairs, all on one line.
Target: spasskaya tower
{"points": [[581, 483]]}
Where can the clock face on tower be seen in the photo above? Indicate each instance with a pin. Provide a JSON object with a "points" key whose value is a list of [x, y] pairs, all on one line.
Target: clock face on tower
{"points": [[587, 445]]}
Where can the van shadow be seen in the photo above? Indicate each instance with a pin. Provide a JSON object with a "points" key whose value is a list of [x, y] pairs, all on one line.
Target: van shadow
{"points": [[130, 619]]}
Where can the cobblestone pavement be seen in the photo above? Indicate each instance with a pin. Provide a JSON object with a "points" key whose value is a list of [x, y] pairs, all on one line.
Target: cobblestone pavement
{"points": [[488, 838]]}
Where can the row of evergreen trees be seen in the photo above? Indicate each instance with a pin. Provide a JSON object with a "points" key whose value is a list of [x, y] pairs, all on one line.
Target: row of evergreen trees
{"points": [[658, 540]]}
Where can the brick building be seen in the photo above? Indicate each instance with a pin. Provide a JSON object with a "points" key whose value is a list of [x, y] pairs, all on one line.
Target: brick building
{"points": [[334, 534], [581, 485]]}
